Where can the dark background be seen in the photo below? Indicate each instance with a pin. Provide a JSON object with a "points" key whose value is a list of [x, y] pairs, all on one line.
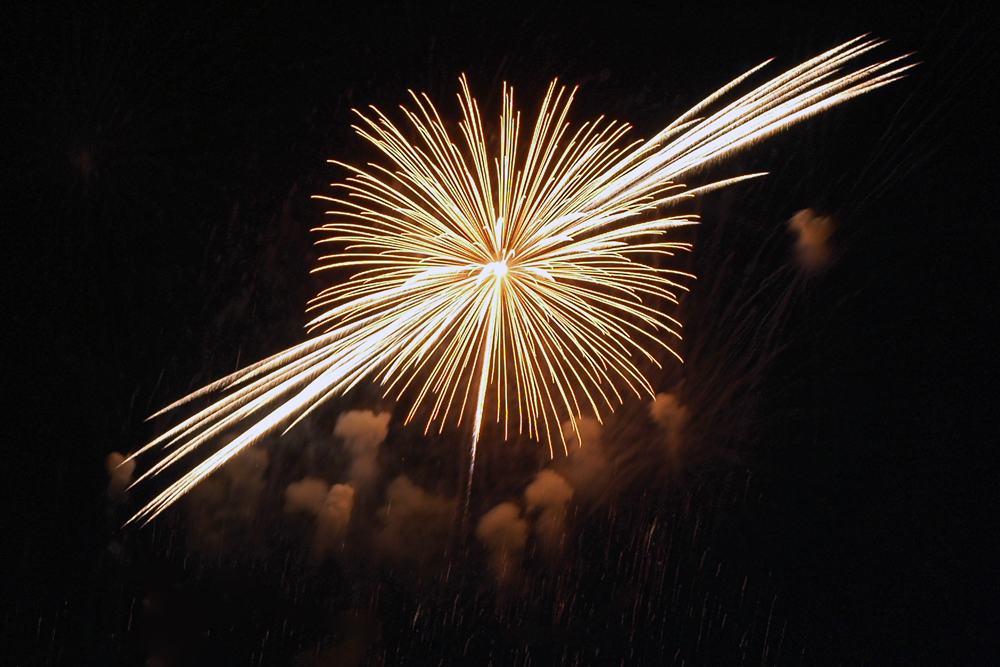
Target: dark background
{"points": [[157, 167]]}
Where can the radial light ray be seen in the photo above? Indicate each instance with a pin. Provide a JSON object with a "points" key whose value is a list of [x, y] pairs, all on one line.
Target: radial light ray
{"points": [[518, 286]]}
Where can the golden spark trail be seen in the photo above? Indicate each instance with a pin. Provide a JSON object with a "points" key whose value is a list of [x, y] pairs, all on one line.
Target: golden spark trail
{"points": [[530, 267]]}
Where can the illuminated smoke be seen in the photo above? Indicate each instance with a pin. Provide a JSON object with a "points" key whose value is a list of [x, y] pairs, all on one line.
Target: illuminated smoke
{"points": [[226, 508], [245, 473], [672, 417], [504, 533], [333, 517], [120, 473], [548, 496], [416, 524], [331, 505], [812, 235], [306, 495], [668, 413], [362, 431], [586, 468], [590, 433]]}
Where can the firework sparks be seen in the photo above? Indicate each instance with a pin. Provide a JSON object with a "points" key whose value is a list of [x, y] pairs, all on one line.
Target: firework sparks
{"points": [[519, 279]]}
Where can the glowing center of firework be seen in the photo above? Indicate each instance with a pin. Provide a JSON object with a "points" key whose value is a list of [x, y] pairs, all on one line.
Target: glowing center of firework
{"points": [[498, 269]]}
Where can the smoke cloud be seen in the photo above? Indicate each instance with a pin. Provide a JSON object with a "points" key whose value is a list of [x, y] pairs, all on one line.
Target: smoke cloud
{"points": [[590, 433], [228, 502], [331, 505], [667, 411], [548, 496], [363, 432], [586, 468], [120, 474], [306, 495], [246, 472], [812, 232], [416, 524], [332, 519], [504, 533]]}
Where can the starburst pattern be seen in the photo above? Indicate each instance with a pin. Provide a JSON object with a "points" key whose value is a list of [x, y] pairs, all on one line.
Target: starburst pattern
{"points": [[518, 285]]}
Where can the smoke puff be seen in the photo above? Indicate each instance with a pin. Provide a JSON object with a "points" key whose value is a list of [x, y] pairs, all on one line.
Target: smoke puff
{"points": [[504, 533], [590, 433], [812, 232], [226, 504], [333, 517], [502, 528], [336, 510], [331, 505], [120, 473], [307, 495], [247, 468], [548, 495], [667, 411], [416, 524], [548, 491], [587, 467], [362, 431]]}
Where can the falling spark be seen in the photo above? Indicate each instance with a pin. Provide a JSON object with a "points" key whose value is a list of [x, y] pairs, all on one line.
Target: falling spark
{"points": [[519, 278]]}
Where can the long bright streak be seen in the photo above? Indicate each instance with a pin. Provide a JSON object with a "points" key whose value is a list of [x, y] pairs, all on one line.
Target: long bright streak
{"points": [[521, 275]]}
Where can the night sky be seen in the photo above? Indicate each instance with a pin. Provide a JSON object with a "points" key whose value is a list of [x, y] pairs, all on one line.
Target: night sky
{"points": [[837, 501]]}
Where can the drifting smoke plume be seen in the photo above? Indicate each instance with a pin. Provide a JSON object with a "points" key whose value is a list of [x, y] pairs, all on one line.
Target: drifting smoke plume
{"points": [[362, 431], [812, 232], [672, 417], [589, 436], [331, 523], [120, 473], [306, 495], [228, 503], [586, 468], [246, 472], [331, 505], [416, 524], [548, 496], [504, 533]]}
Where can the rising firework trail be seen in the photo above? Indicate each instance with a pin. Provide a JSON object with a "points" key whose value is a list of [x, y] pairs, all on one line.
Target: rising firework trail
{"points": [[511, 285]]}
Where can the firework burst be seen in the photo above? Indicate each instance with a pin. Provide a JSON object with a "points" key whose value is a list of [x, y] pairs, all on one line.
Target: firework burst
{"points": [[518, 285]]}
